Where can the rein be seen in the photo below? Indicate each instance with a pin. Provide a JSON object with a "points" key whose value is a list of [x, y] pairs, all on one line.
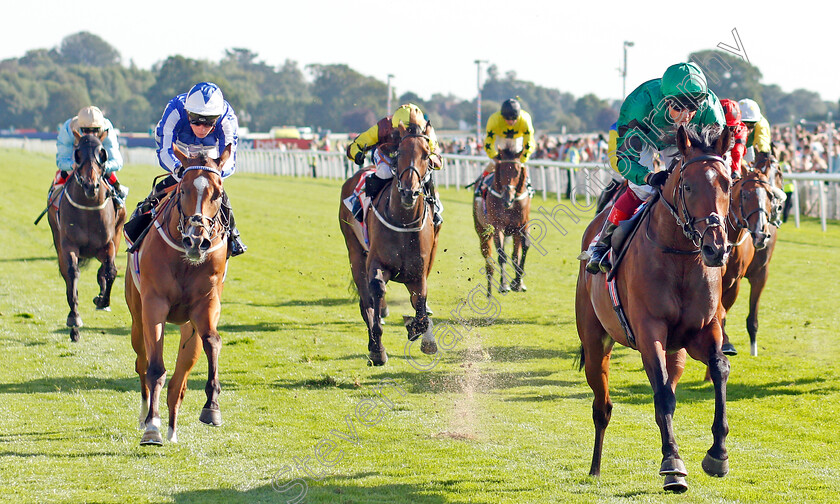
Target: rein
{"points": [[78, 179], [410, 227], [741, 220], [518, 197]]}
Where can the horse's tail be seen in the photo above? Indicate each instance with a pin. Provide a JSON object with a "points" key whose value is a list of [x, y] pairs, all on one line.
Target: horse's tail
{"points": [[580, 360]]}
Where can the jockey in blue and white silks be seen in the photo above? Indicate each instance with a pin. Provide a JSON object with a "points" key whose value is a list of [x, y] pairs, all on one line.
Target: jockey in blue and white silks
{"points": [[175, 128], [198, 122]]}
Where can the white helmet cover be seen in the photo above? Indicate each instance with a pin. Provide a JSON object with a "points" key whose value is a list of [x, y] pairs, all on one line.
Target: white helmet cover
{"points": [[205, 98], [90, 117], [749, 110]]}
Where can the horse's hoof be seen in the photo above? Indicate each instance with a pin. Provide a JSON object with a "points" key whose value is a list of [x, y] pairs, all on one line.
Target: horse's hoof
{"points": [[378, 358], [171, 435], [728, 349], [504, 288], [74, 321], [715, 467], [101, 304], [518, 287], [754, 349], [429, 311], [74, 334], [675, 483], [151, 438], [673, 466], [384, 312], [210, 417], [428, 346]]}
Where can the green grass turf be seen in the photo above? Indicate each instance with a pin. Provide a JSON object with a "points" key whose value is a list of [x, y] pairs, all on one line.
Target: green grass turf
{"points": [[504, 417]]}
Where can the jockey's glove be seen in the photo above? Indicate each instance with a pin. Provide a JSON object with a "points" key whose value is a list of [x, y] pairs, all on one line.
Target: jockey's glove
{"points": [[360, 158], [656, 179]]}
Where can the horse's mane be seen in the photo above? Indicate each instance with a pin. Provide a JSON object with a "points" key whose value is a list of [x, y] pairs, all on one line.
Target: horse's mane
{"points": [[701, 137], [507, 154]]}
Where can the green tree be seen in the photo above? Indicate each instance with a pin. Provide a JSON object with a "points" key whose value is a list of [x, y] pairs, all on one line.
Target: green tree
{"points": [[85, 48]]}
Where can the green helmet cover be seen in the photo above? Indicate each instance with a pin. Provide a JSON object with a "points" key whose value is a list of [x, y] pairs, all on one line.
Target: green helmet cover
{"points": [[684, 79]]}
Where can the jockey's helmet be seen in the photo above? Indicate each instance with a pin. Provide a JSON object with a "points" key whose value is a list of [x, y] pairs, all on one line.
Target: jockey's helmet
{"points": [[404, 113], [510, 109], [90, 118], [205, 99], [749, 111], [685, 83], [732, 112]]}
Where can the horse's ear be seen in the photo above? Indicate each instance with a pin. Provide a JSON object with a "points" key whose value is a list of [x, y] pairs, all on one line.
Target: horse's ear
{"points": [[102, 156], [102, 135], [77, 135], [179, 154], [683, 143], [77, 157], [722, 144], [428, 130], [224, 157], [401, 127]]}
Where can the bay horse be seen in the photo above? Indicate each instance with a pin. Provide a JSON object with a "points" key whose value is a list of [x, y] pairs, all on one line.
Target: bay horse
{"points": [[177, 276], [751, 207], [86, 224], [403, 240], [504, 211], [670, 284]]}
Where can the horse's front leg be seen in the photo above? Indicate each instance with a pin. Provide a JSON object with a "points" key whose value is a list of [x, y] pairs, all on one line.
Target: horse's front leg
{"points": [[652, 349], [205, 318], [757, 283], [70, 271], [105, 277], [421, 324], [189, 350], [378, 279], [154, 316], [708, 347], [520, 250], [499, 241]]}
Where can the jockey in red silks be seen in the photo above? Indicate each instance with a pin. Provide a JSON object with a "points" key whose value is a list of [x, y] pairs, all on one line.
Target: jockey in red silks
{"points": [[739, 135]]}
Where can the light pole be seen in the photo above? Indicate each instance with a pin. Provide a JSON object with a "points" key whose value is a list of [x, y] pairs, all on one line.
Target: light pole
{"points": [[478, 101], [388, 107], [624, 70]]}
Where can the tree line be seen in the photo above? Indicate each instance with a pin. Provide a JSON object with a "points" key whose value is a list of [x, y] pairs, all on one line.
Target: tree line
{"points": [[46, 86]]}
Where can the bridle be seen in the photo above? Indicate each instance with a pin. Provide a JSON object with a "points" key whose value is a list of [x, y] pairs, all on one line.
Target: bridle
{"points": [[210, 225], [682, 216], [86, 186], [518, 197], [742, 221]]}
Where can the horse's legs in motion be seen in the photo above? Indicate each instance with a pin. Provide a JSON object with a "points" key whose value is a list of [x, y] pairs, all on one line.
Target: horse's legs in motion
{"points": [[140, 365], [596, 349], [665, 402], [489, 268], [520, 250], [716, 461], [420, 325], [757, 283], [154, 313], [69, 264], [189, 351], [499, 241], [206, 318], [378, 278], [105, 277]]}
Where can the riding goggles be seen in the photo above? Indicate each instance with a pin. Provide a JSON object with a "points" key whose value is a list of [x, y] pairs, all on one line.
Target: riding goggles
{"points": [[687, 104], [202, 120], [89, 131]]}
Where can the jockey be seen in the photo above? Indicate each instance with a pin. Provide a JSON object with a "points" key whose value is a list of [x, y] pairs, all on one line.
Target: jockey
{"points": [[509, 128], [739, 135], [199, 121], [758, 141], [89, 120], [648, 116], [384, 139]]}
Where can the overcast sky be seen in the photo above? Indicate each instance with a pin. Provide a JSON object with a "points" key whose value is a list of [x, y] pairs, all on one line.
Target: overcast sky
{"points": [[431, 45]]}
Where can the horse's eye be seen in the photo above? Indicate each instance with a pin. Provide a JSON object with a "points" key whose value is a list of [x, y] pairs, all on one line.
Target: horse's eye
{"points": [[686, 188]]}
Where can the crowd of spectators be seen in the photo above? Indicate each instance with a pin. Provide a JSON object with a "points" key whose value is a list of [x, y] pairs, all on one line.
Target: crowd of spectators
{"points": [[583, 148], [809, 147]]}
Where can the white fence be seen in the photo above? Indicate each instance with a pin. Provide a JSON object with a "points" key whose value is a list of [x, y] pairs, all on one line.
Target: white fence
{"points": [[815, 194]]}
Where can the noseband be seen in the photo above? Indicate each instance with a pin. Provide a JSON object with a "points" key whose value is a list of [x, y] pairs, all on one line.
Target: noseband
{"points": [[683, 217], [518, 197]]}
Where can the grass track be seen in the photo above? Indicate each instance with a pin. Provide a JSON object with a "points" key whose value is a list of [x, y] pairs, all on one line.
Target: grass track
{"points": [[505, 417]]}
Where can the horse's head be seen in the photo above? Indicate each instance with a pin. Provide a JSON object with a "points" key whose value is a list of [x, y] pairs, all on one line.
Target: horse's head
{"points": [[510, 176], [89, 157], [752, 205], [769, 166], [701, 190], [199, 202], [412, 165]]}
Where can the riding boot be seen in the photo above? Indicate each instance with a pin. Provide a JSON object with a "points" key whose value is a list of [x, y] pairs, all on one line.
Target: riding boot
{"points": [[235, 245], [432, 197], [120, 193], [374, 184], [141, 218], [598, 261]]}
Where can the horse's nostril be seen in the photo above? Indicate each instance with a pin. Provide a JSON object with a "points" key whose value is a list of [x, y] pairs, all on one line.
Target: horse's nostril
{"points": [[708, 251], [205, 244]]}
